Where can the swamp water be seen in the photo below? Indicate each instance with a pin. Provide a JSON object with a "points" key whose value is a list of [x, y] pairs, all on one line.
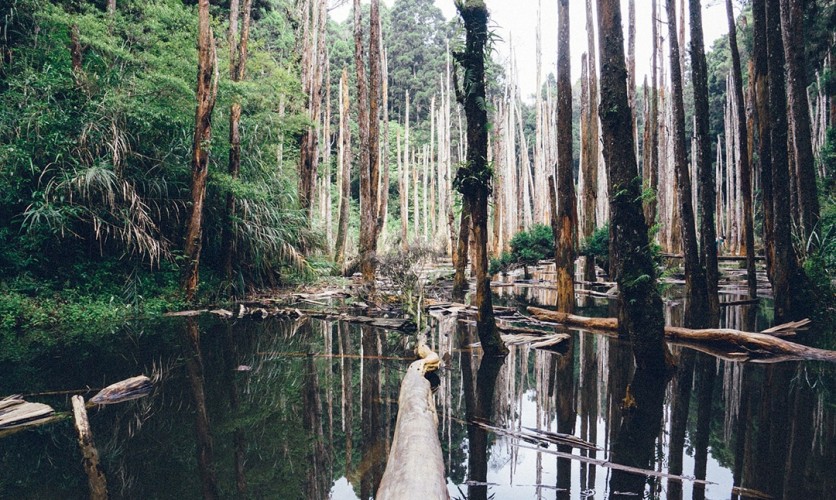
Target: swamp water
{"points": [[306, 409]]}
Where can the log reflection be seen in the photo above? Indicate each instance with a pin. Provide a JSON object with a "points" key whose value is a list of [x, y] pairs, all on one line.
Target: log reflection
{"points": [[373, 447]]}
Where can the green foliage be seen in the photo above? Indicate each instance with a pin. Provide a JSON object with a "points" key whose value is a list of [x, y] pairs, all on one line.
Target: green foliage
{"points": [[96, 161], [527, 248], [598, 246]]}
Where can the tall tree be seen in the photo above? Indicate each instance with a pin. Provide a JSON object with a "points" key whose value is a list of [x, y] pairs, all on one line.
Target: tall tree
{"points": [[207, 91], [695, 286], [473, 178], [367, 105], [745, 158], [566, 217], [344, 170], [237, 68], [313, 51], [702, 159], [761, 74], [639, 302], [805, 171], [652, 162], [785, 266]]}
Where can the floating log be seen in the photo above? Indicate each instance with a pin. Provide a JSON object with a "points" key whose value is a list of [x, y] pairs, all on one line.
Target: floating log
{"points": [[739, 302], [761, 343], [126, 390], [415, 467], [17, 413], [95, 474], [733, 258]]}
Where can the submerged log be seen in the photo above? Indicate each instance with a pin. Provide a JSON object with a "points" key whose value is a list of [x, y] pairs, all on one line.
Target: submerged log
{"points": [[126, 390], [761, 343], [95, 473], [415, 468]]}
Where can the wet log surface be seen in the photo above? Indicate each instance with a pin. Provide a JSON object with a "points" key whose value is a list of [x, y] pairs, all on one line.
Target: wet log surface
{"points": [[415, 468], [90, 455], [764, 343]]}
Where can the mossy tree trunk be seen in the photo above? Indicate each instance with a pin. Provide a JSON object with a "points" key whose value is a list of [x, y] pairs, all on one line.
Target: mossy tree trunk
{"points": [[566, 216], [639, 301], [473, 179], [745, 157], [696, 292], [705, 171]]}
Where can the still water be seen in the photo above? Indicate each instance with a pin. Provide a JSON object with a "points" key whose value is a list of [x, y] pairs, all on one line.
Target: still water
{"points": [[306, 409]]}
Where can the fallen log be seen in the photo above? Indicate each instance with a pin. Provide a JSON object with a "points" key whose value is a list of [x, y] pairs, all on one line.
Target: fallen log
{"points": [[760, 343], [125, 390], [415, 467], [95, 474], [15, 412]]}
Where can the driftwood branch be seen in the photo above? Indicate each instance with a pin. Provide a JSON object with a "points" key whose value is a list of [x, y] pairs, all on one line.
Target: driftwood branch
{"points": [[95, 473], [415, 468], [766, 342]]}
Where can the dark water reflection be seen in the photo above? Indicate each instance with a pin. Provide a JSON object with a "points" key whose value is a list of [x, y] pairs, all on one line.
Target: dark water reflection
{"points": [[306, 409]]}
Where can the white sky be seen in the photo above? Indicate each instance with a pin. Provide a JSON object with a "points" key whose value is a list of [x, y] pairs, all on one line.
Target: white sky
{"points": [[516, 21]]}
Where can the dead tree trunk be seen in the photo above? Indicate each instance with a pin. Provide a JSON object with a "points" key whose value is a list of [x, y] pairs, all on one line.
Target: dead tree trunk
{"points": [[473, 178], [704, 170], [696, 306], [383, 197], [805, 170], [640, 305], [237, 68], [764, 123], [462, 248], [207, 90], [745, 159], [96, 479], [566, 215], [312, 85], [344, 169], [652, 161]]}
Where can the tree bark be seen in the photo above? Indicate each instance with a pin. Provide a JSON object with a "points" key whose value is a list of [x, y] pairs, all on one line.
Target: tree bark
{"points": [[652, 163], [344, 169], [566, 215], [207, 90], [704, 170], [764, 120], [473, 179], [640, 304], [460, 284], [237, 68], [745, 158], [696, 305], [312, 85], [805, 171], [785, 271]]}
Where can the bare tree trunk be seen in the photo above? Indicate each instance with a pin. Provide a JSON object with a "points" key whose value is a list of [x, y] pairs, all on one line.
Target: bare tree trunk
{"points": [[695, 285], [764, 122], [639, 302], [405, 188], [805, 171], [344, 169], [704, 170], [592, 120], [473, 177], [652, 161], [631, 64], [207, 90], [384, 193], [460, 283], [237, 69], [312, 84], [566, 216], [745, 159]]}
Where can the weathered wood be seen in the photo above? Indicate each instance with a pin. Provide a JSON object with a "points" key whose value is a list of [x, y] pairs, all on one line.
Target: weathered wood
{"points": [[125, 390], [762, 343], [95, 474], [415, 468], [15, 413]]}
